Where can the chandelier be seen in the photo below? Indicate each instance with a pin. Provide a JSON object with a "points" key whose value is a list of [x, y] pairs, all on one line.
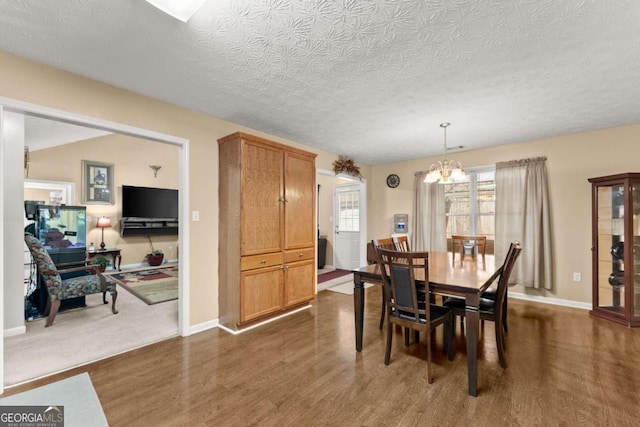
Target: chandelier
{"points": [[445, 171]]}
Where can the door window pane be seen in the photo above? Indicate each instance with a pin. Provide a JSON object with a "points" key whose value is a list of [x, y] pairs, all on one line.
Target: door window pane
{"points": [[349, 211]]}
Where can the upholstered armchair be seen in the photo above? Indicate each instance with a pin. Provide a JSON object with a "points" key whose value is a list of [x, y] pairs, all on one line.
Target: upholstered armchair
{"points": [[60, 289]]}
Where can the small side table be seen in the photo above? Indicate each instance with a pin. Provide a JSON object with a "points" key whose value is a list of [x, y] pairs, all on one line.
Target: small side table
{"points": [[113, 252]]}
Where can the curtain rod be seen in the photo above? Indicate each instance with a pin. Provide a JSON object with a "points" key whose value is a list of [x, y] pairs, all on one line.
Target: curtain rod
{"points": [[520, 162]]}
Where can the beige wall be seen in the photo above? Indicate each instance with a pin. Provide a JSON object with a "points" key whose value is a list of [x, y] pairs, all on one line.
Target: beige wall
{"points": [[131, 158], [572, 159], [35, 83]]}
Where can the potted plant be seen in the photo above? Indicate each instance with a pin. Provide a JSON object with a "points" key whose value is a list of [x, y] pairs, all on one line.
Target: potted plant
{"points": [[155, 257], [101, 262]]}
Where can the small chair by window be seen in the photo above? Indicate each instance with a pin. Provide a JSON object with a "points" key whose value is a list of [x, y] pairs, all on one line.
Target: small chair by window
{"points": [[461, 243], [404, 306]]}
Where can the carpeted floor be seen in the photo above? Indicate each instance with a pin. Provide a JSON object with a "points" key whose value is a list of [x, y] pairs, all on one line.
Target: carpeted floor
{"points": [[85, 334], [151, 285], [76, 395]]}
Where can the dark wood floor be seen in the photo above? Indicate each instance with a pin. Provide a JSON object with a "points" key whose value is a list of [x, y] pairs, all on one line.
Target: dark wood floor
{"points": [[565, 368]]}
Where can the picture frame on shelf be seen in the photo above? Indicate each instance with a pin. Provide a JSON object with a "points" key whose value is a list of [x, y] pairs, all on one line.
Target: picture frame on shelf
{"points": [[97, 183]]}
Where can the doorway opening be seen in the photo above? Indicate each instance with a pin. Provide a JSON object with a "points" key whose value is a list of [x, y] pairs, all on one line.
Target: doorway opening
{"points": [[11, 167], [335, 256]]}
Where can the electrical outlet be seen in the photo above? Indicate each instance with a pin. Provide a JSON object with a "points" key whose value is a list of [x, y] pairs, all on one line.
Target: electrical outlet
{"points": [[195, 216], [577, 277]]}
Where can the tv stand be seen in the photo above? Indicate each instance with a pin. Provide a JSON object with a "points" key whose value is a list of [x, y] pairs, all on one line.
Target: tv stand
{"points": [[134, 226]]}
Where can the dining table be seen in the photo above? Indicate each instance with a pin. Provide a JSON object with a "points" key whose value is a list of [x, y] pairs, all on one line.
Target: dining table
{"points": [[466, 279]]}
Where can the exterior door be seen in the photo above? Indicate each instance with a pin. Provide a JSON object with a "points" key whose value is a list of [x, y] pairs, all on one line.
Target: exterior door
{"points": [[346, 239]]}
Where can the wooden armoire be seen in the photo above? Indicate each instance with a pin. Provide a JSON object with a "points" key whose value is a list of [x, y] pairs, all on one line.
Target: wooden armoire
{"points": [[266, 230]]}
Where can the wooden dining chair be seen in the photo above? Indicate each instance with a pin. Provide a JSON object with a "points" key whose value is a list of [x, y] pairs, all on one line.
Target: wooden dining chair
{"points": [[460, 243], [493, 309], [402, 243], [386, 243], [404, 306]]}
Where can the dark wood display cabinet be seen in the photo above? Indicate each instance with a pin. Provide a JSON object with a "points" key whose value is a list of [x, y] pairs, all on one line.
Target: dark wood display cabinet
{"points": [[616, 248]]}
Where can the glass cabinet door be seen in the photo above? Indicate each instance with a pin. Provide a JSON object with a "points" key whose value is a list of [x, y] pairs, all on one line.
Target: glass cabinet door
{"points": [[610, 218], [635, 252]]}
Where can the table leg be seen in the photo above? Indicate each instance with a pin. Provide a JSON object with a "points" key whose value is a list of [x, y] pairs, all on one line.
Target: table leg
{"points": [[473, 324], [119, 258], [358, 308]]}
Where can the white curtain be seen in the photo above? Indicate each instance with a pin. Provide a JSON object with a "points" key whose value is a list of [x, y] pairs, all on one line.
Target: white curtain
{"points": [[429, 220], [522, 213]]}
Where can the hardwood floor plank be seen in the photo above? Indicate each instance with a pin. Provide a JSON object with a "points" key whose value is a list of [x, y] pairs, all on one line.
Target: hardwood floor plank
{"points": [[564, 368]]}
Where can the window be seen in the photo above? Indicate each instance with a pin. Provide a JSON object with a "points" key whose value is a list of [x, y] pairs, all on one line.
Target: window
{"points": [[470, 205], [349, 211]]}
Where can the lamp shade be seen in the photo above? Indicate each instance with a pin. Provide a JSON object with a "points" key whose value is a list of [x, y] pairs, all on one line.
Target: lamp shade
{"points": [[103, 222]]}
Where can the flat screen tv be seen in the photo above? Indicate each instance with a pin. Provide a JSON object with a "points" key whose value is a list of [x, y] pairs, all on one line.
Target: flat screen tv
{"points": [[148, 202]]}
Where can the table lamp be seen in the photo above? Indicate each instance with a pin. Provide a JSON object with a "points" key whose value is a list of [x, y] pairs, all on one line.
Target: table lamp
{"points": [[103, 222]]}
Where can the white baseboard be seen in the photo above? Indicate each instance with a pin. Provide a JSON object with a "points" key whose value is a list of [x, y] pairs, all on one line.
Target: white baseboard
{"points": [[201, 327], [15, 331], [248, 328], [553, 301], [143, 264]]}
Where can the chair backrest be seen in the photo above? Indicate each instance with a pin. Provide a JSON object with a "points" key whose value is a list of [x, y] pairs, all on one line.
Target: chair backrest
{"points": [[371, 253], [402, 244], [398, 271], [505, 272], [386, 243], [46, 268]]}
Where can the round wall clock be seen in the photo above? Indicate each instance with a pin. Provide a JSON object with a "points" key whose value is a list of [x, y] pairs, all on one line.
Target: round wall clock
{"points": [[393, 180]]}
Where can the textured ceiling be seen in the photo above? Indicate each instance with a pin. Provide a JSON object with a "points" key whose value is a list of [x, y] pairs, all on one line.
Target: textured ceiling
{"points": [[371, 79]]}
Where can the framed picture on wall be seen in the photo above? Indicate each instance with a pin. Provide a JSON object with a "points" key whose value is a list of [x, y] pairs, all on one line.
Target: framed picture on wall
{"points": [[97, 183]]}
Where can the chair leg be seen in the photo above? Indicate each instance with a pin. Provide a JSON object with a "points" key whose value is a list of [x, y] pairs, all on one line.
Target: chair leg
{"points": [[384, 307], [500, 344], [114, 296], [429, 371], [47, 308], [453, 322], [407, 337], [416, 336], [387, 353], [449, 328], [54, 306], [504, 315]]}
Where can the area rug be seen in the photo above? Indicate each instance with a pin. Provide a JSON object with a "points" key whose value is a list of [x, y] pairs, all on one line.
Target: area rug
{"points": [[346, 288], [74, 397], [151, 285], [330, 275]]}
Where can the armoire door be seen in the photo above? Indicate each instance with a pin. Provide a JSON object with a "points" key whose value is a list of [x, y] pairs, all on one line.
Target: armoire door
{"points": [[261, 199], [300, 178]]}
